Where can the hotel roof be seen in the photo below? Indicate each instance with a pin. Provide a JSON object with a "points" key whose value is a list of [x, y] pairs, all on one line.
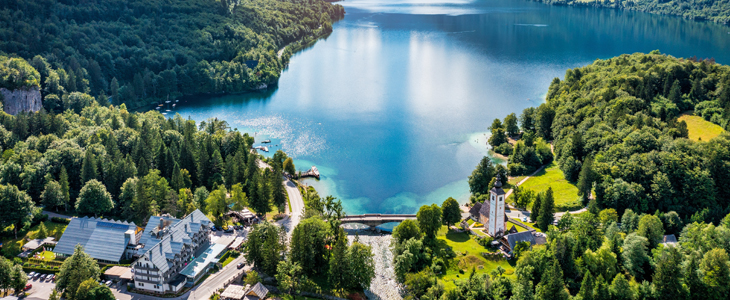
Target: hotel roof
{"points": [[102, 239]]}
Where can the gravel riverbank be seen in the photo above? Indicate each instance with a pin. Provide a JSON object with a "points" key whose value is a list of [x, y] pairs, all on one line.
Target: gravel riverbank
{"points": [[384, 286]]}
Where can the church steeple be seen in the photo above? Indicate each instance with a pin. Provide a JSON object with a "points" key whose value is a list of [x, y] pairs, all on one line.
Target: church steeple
{"points": [[495, 225]]}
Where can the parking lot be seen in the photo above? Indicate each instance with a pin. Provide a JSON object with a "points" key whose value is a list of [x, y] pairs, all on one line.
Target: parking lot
{"points": [[41, 289]]}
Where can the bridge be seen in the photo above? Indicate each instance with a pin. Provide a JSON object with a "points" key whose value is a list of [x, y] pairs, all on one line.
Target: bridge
{"points": [[373, 220]]}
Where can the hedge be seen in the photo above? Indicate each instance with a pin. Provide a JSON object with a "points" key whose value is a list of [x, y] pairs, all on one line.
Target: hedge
{"points": [[28, 269], [60, 220]]}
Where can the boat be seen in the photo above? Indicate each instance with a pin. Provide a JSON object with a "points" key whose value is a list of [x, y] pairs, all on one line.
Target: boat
{"points": [[262, 148], [168, 101], [157, 107], [266, 141]]}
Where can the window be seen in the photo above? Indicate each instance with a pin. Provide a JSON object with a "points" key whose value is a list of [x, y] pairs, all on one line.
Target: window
{"points": [[140, 284]]}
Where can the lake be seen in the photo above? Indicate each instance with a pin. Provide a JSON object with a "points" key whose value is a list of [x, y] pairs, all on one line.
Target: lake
{"points": [[393, 107]]}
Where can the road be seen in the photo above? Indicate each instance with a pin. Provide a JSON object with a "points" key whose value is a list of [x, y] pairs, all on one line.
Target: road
{"points": [[297, 203]]}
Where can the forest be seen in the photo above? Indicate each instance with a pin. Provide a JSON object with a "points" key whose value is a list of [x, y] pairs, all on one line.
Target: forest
{"points": [[105, 160], [141, 51], [586, 256], [717, 11], [615, 133]]}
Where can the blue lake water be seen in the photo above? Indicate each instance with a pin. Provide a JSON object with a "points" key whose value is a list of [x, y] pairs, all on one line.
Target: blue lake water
{"points": [[394, 105]]}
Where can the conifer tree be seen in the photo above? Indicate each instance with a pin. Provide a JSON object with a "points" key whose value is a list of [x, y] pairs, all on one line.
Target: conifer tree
{"points": [[88, 167], [277, 188], [546, 211], [338, 270], [42, 231], [63, 181], [536, 206], [586, 287], [551, 287]]}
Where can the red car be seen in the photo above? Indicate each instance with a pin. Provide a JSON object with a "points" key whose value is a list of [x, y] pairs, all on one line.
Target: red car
{"points": [[28, 286]]}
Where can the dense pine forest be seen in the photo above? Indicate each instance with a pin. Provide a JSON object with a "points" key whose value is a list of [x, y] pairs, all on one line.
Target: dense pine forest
{"points": [[141, 51], [105, 160], [717, 11]]}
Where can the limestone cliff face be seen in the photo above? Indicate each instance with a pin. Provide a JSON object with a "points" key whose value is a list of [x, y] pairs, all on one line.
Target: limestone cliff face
{"points": [[20, 100]]}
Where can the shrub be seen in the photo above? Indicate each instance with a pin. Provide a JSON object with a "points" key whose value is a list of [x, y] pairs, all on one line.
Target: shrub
{"points": [[59, 220]]}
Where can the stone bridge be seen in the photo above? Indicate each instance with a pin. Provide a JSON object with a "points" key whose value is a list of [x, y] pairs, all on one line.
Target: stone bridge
{"points": [[373, 220]]}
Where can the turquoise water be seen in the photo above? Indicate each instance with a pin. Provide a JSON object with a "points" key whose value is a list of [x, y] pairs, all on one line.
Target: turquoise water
{"points": [[394, 105]]}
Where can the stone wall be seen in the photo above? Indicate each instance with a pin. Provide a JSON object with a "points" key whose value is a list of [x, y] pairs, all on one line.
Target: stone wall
{"points": [[20, 100]]}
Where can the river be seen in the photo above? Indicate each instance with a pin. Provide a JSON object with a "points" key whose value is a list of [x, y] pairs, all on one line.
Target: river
{"points": [[394, 105]]}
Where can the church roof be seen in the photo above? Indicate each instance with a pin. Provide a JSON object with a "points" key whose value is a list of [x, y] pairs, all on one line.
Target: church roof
{"points": [[475, 209], [485, 209]]}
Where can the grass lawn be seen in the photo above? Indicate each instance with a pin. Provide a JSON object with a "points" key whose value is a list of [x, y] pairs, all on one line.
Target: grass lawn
{"points": [[699, 129], [565, 193], [11, 246], [48, 255], [468, 256], [228, 260], [509, 225], [470, 221], [528, 225]]}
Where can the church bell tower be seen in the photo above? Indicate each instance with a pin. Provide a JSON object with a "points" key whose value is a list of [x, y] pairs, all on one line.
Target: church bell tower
{"points": [[496, 209]]}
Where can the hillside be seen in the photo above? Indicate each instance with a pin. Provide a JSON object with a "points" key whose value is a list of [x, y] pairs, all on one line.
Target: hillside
{"points": [[615, 131], [138, 51], [717, 11]]}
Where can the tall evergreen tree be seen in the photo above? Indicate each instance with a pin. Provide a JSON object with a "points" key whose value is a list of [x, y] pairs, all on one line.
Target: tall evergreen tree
{"points": [[546, 211], [338, 270], [88, 167], [278, 196], [536, 206], [63, 181], [551, 287]]}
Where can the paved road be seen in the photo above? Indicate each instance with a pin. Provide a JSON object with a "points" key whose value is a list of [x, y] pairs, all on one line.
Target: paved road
{"points": [[297, 202]]}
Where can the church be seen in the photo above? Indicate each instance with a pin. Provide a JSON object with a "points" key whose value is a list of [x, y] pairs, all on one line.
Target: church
{"points": [[492, 212]]}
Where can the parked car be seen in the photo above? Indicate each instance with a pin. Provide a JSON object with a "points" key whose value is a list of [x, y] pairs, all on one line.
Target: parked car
{"points": [[212, 228], [53, 278], [239, 266], [37, 275], [28, 286], [30, 275], [108, 282]]}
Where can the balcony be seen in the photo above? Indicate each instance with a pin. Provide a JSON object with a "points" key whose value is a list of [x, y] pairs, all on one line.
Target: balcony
{"points": [[152, 281], [144, 267]]}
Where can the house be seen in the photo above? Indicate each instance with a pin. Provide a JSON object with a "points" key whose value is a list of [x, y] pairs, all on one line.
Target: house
{"points": [[474, 211], [172, 251], [238, 292], [107, 241], [669, 240], [37, 243], [511, 240], [491, 213]]}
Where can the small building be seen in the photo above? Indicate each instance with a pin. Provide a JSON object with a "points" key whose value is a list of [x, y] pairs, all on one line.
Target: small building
{"points": [[33, 245], [107, 241], [669, 240], [234, 292], [119, 273], [511, 240], [258, 291], [238, 292], [474, 211]]}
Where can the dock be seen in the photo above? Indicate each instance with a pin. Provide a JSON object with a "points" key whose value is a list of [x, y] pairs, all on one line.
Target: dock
{"points": [[313, 172]]}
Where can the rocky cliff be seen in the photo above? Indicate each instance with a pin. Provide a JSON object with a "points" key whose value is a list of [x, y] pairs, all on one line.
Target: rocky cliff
{"points": [[19, 100]]}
